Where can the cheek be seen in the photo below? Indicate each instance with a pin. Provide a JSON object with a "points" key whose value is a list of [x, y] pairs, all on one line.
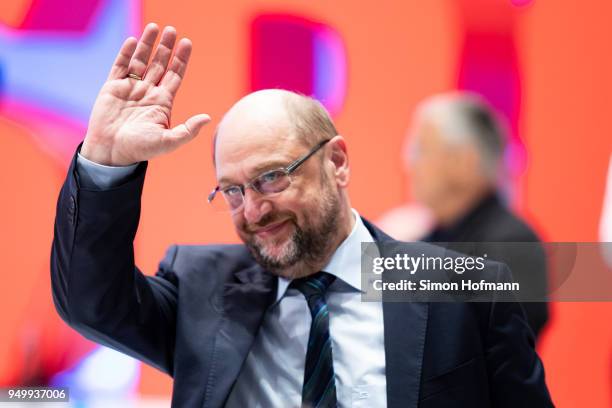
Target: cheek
{"points": [[433, 169], [428, 177], [239, 223], [298, 205], [423, 171], [294, 207]]}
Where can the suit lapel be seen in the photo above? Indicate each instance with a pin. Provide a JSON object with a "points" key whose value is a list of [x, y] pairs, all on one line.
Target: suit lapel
{"points": [[405, 326], [243, 305]]}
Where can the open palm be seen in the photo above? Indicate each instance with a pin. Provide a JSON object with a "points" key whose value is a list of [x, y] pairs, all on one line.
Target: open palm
{"points": [[130, 121]]}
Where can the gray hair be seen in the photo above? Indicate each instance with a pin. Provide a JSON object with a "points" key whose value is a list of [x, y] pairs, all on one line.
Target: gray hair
{"points": [[463, 118], [312, 122]]}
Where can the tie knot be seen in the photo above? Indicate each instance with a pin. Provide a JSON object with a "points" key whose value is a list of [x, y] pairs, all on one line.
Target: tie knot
{"points": [[314, 285]]}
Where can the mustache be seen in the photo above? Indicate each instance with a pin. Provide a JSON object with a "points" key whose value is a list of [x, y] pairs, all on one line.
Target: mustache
{"points": [[267, 220]]}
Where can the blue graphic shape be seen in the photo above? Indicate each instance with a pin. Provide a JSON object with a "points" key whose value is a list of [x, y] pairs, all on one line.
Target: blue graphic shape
{"points": [[64, 72]]}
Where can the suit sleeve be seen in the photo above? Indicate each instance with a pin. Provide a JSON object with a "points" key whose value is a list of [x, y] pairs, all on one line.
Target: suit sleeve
{"points": [[515, 370], [96, 287]]}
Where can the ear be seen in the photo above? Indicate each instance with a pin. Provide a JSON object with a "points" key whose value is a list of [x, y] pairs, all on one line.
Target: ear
{"points": [[338, 157]]}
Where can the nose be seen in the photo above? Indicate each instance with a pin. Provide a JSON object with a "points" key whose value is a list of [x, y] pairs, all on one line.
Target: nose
{"points": [[255, 206]]}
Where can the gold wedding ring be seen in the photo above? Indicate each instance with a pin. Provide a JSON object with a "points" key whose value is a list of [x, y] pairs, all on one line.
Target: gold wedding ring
{"points": [[134, 76]]}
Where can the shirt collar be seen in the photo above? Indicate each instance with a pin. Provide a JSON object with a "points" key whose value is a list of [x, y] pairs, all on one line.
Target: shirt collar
{"points": [[345, 263]]}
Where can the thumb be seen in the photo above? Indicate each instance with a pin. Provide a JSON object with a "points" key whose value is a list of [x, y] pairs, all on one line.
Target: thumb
{"points": [[184, 132]]}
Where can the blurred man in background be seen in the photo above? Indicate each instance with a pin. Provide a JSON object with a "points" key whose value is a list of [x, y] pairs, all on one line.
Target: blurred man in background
{"points": [[455, 157]]}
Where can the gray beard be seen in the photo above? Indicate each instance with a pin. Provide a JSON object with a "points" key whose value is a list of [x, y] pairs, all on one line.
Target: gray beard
{"points": [[305, 247]]}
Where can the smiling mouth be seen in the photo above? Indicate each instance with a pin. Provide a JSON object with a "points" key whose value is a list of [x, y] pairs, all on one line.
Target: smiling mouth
{"points": [[270, 229]]}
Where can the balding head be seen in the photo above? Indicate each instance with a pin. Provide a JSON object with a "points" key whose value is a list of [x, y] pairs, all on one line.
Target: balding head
{"points": [[276, 111]]}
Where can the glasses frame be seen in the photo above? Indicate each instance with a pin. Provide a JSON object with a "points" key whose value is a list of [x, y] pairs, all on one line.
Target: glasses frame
{"points": [[288, 170]]}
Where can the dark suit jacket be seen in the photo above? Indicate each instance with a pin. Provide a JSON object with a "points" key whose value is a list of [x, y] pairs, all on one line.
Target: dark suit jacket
{"points": [[491, 222], [197, 317]]}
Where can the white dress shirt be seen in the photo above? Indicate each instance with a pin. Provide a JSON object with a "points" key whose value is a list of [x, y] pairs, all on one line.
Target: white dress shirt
{"points": [[273, 372]]}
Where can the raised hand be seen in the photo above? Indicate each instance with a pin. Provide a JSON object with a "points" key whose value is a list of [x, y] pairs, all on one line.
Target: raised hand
{"points": [[130, 120]]}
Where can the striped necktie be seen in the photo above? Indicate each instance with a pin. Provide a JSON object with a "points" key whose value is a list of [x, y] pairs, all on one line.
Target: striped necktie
{"points": [[319, 389]]}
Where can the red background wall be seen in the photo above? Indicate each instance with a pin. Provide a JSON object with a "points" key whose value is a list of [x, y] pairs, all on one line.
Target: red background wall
{"points": [[398, 53]]}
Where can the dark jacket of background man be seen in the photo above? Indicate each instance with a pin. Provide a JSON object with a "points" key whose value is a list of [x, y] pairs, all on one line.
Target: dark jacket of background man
{"points": [[491, 222]]}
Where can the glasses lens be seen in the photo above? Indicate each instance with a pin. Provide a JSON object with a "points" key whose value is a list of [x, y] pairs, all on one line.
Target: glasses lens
{"points": [[233, 197], [272, 182]]}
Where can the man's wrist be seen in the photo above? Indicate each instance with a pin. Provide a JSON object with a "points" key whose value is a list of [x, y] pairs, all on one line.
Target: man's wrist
{"points": [[100, 154], [98, 176]]}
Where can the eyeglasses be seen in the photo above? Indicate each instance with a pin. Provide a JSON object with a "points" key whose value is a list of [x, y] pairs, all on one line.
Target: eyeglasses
{"points": [[270, 182]]}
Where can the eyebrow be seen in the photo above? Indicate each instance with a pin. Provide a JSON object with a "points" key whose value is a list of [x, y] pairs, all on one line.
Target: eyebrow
{"points": [[257, 171]]}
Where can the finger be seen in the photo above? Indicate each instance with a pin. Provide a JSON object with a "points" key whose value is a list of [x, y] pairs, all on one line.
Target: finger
{"points": [[140, 59], [120, 67], [159, 64], [176, 71], [185, 132]]}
